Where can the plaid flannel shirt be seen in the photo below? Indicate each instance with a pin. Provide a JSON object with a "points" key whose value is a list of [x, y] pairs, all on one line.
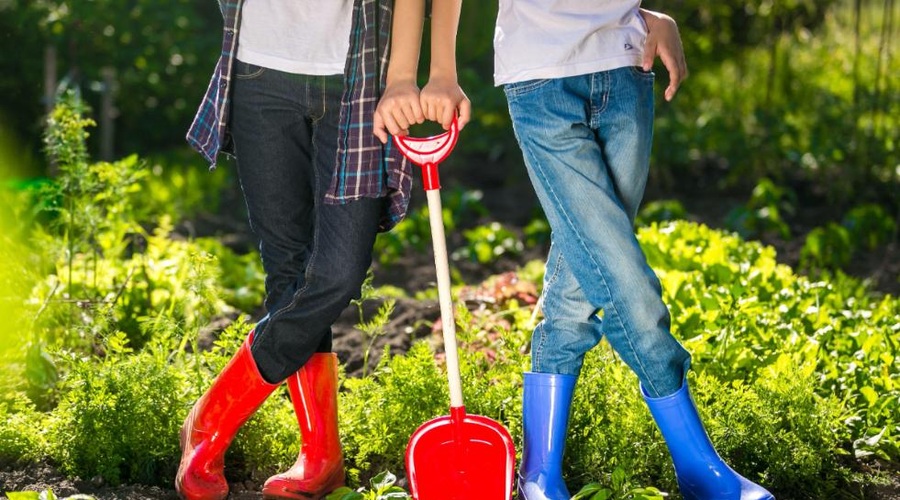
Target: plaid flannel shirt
{"points": [[364, 168]]}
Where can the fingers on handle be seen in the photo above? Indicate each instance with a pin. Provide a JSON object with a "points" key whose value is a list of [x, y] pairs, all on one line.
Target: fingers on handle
{"points": [[379, 128], [465, 113]]}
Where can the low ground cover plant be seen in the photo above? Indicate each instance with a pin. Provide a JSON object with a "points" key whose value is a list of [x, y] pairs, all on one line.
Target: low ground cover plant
{"points": [[123, 328]]}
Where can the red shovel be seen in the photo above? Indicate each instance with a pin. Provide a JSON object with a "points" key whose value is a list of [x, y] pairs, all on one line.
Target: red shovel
{"points": [[460, 456]]}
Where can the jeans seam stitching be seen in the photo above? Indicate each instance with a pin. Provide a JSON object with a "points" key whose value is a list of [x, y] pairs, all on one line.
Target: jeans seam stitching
{"points": [[550, 282]]}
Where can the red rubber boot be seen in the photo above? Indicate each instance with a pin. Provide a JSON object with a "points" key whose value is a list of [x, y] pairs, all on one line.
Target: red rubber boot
{"points": [[234, 396], [319, 469]]}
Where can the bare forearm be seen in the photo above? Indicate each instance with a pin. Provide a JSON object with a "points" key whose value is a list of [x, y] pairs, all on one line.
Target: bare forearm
{"points": [[406, 39], [444, 25]]}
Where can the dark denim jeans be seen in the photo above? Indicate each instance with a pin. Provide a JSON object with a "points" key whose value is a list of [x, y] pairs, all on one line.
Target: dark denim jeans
{"points": [[315, 255]]}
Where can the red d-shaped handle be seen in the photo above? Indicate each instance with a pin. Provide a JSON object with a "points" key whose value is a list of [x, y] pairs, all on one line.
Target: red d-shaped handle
{"points": [[428, 152]]}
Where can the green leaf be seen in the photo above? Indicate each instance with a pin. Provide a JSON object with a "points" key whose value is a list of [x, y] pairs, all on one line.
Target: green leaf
{"points": [[603, 494], [23, 495], [383, 480], [394, 494], [588, 490], [618, 478], [344, 493]]}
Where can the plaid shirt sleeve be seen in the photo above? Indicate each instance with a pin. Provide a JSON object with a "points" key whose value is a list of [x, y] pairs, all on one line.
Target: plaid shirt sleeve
{"points": [[364, 166], [208, 133]]}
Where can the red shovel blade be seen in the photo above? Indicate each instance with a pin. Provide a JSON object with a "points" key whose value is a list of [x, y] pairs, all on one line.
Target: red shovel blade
{"points": [[461, 457]]}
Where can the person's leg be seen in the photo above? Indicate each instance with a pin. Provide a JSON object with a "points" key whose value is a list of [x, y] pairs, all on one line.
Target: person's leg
{"points": [[270, 139], [296, 334], [606, 122], [570, 327], [319, 467], [580, 187], [235, 394], [701, 473], [568, 330], [270, 125], [594, 254], [337, 260]]}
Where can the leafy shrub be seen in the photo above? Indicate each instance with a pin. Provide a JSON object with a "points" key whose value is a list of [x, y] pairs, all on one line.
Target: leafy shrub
{"points": [[832, 246], [116, 417], [774, 382], [762, 213], [22, 427], [537, 232], [827, 247], [172, 278], [784, 109], [870, 226], [778, 430], [179, 184], [379, 413], [412, 233], [458, 207], [241, 282], [383, 487], [487, 243]]}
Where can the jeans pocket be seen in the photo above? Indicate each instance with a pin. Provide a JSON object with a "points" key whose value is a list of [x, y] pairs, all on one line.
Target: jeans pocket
{"points": [[522, 88], [247, 71], [639, 72]]}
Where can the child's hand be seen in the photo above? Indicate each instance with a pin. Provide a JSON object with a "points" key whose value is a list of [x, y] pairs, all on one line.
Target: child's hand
{"points": [[398, 109], [664, 41], [442, 99]]}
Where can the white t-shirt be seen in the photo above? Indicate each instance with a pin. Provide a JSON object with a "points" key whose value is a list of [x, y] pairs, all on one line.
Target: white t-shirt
{"points": [[537, 39], [302, 37]]}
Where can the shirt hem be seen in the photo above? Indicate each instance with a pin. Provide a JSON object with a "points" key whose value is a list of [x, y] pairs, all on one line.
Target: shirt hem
{"points": [[290, 66], [563, 71]]}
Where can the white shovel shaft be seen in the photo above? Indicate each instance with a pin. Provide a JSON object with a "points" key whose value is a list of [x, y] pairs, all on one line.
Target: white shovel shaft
{"points": [[442, 267]]}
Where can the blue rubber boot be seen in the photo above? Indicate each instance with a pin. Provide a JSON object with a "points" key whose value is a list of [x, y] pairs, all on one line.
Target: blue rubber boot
{"points": [[546, 401], [701, 473]]}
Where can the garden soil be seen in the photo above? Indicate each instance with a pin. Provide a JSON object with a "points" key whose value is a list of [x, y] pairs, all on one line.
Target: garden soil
{"points": [[510, 202]]}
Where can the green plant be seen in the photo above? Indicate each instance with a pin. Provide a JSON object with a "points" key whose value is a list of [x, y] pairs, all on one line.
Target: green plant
{"points": [[44, 495], [828, 247], [117, 417], [537, 232], [486, 243], [241, 282], [413, 232], [379, 412], [619, 489], [762, 212], [177, 184], [382, 487], [374, 327], [870, 226], [22, 435]]}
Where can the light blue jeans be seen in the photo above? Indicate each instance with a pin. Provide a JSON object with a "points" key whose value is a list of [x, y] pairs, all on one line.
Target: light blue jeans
{"points": [[586, 143]]}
